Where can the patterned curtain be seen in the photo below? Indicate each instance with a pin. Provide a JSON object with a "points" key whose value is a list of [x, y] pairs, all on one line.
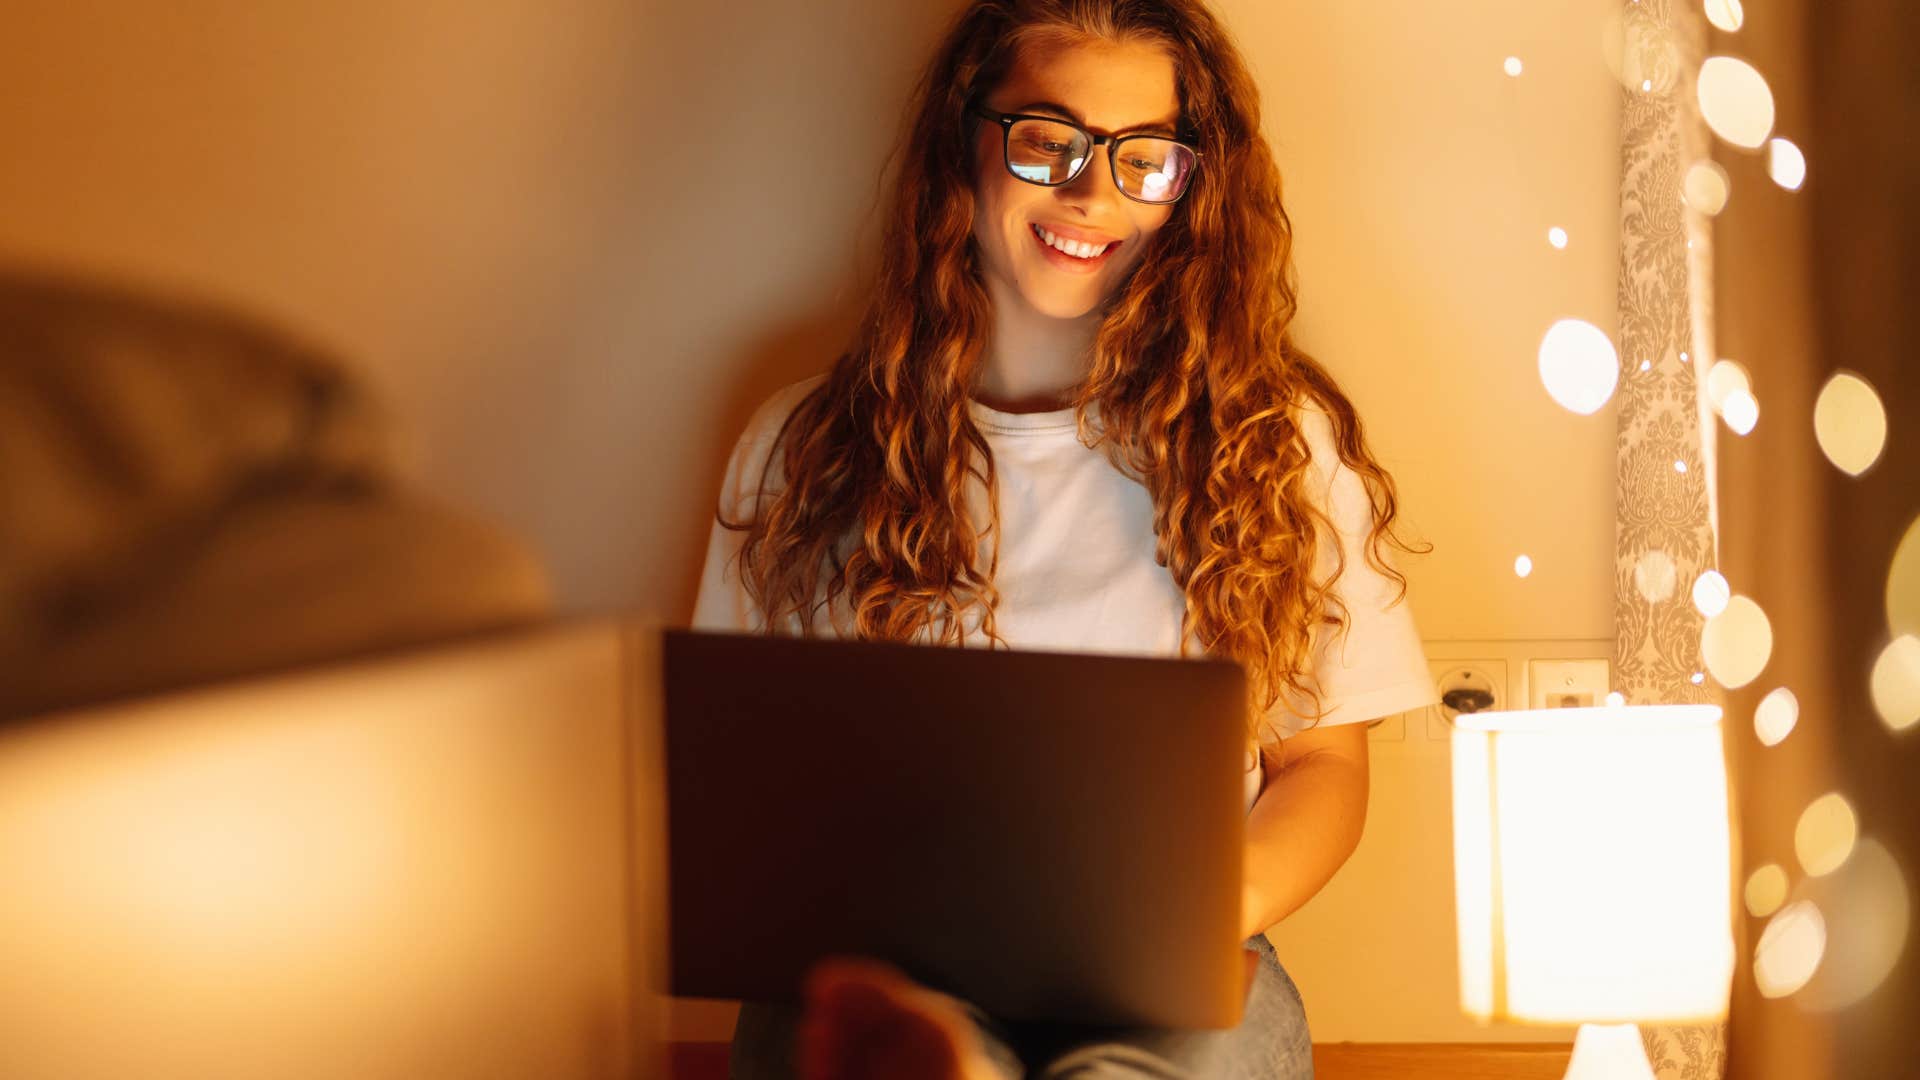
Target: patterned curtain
{"points": [[1665, 519]]}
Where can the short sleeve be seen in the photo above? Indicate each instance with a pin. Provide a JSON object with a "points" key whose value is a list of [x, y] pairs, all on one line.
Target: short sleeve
{"points": [[1376, 667], [722, 602]]}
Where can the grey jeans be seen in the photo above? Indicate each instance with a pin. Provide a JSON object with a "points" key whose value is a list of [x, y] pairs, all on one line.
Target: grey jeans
{"points": [[1271, 1042]]}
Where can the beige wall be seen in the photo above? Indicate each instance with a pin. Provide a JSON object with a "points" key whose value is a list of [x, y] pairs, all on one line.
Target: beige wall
{"points": [[563, 240]]}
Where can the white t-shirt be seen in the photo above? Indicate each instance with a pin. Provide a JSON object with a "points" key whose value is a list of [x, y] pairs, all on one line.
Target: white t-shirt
{"points": [[1077, 571]]}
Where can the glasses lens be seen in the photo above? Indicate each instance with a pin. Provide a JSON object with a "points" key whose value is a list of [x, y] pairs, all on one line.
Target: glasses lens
{"points": [[1152, 169], [1046, 152]]}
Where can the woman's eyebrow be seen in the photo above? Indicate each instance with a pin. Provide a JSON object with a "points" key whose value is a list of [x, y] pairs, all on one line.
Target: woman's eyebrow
{"points": [[1158, 126]]}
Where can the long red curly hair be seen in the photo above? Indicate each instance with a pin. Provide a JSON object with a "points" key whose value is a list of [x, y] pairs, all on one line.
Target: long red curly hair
{"points": [[1193, 371]]}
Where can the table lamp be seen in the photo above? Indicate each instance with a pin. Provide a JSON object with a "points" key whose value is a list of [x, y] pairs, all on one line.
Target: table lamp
{"points": [[1593, 873]]}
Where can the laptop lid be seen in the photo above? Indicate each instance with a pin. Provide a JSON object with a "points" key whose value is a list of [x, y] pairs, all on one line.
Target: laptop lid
{"points": [[1052, 836]]}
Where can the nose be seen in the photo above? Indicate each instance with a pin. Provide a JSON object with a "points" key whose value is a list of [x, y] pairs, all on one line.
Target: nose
{"points": [[1095, 179]]}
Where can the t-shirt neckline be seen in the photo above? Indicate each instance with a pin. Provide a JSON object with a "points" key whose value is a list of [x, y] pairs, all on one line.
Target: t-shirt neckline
{"points": [[1033, 423]]}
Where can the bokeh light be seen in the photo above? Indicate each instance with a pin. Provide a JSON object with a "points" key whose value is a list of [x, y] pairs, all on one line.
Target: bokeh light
{"points": [[1737, 643], [1786, 164], [1895, 682], [1710, 593], [1615, 699], [1735, 101], [1850, 423], [1725, 377], [1578, 365], [1741, 411], [1903, 584], [1766, 890], [1774, 718], [1513, 66], [1557, 236], [1868, 914], [1655, 575], [1825, 835], [1523, 566], [1790, 949], [1706, 187], [1725, 14], [1640, 49]]}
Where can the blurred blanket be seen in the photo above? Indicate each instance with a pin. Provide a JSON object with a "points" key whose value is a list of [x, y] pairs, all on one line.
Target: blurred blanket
{"points": [[188, 495]]}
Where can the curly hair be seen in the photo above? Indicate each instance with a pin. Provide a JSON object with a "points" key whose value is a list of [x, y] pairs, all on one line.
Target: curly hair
{"points": [[1193, 373]]}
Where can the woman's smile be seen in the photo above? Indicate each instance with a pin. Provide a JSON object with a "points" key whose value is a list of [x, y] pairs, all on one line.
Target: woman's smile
{"points": [[1071, 255]]}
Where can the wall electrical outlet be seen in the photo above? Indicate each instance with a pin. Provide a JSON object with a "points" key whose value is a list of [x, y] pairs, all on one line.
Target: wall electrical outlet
{"points": [[1565, 684], [1510, 665], [1472, 686]]}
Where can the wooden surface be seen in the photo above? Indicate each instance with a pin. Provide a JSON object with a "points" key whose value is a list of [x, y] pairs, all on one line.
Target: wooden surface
{"points": [[1331, 1061], [1441, 1061]]}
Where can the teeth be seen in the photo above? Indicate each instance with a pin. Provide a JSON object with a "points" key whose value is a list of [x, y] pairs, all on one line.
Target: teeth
{"points": [[1075, 248]]}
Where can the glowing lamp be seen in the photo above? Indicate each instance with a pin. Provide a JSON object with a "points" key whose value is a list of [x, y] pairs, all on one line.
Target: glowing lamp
{"points": [[1593, 873]]}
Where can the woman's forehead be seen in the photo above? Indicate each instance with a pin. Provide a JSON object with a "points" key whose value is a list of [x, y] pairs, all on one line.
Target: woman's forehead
{"points": [[1104, 86]]}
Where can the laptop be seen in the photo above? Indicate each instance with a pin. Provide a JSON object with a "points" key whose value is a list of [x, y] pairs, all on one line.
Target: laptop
{"points": [[1052, 836]]}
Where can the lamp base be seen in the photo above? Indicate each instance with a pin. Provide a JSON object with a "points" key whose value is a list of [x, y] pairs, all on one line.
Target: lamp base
{"points": [[1609, 1052]]}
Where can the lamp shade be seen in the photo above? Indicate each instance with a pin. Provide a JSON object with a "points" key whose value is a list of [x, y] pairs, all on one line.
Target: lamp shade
{"points": [[1592, 864]]}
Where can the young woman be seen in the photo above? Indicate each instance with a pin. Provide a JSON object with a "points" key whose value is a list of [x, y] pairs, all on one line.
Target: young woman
{"points": [[1073, 419]]}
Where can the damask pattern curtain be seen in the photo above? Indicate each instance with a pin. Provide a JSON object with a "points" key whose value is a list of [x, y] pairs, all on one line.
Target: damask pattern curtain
{"points": [[1664, 518]]}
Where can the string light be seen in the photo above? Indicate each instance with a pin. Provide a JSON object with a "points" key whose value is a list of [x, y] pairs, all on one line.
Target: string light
{"points": [[1737, 643], [1710, 593], [1578, 365], [1786, 164], [1825, 834], [1735, 101], [1849, 423], [1774, 718], [1790, 949], [1706, 187]]}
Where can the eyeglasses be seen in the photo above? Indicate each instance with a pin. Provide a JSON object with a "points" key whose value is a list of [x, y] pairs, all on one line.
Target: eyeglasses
{"points": [[1050, 152]]}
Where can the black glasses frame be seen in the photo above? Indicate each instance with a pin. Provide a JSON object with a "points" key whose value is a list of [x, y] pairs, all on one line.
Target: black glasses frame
{"points": [[1112, 142]]}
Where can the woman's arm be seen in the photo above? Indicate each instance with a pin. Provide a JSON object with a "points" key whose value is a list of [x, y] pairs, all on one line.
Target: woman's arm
{"points": [[1307, 821]]}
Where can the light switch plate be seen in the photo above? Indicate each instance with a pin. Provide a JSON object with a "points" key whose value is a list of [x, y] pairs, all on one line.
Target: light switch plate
{"points": [[1560, 684]]}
